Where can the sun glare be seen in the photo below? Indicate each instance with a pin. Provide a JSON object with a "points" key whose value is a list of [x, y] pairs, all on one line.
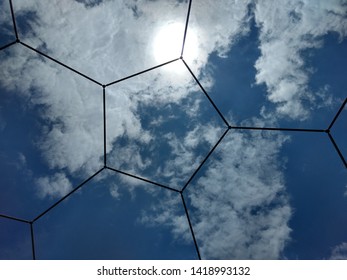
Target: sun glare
{"points": [[168, 42]]}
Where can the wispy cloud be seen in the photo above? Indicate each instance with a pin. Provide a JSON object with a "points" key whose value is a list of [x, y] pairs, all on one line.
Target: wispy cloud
{"points": [[240, 209], [114, 191], [286, 30], [185, 155], [99, 39], [339, 252], [168, 212], [70, 109], [239, 206]]}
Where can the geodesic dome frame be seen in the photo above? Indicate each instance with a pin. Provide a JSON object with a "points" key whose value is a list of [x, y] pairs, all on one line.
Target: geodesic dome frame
{"points": [[228, 127]]}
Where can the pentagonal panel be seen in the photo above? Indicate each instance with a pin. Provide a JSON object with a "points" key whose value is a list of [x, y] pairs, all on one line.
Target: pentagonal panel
{"points": [[108, 218], [51, 131], [105, 40], [154, 121]]}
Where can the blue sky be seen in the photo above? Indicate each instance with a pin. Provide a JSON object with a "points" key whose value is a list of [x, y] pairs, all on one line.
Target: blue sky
{"points": [[162, 141]]}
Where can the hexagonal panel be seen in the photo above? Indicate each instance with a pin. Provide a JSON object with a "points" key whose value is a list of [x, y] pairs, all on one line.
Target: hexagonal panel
{"points": [[51, 132], [154, 121], [105, 40], [108, 219]]}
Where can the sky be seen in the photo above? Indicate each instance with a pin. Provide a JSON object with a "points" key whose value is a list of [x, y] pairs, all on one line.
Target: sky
{"points": [[132, 129]]}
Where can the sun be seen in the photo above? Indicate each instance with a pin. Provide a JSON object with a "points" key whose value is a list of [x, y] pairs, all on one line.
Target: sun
{"points": [[168, 41]]}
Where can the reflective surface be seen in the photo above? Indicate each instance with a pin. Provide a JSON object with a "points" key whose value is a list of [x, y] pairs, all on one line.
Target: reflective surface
{"points": [[173, 129]]}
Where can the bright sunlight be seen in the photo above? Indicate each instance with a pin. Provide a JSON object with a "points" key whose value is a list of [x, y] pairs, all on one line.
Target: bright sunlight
{"points": [[168, 42]]}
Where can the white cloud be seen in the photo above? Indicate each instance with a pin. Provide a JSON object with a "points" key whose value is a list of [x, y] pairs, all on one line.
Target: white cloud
{"points": [[22, 159], [186, 153], [339, 252], [18, 161], [57, 185], [217, 27], [169, 213], [128, 158], [182, 162], [244, 195], [70, 110], [157, 100], [114, 191], [168, 158], [286, 29]]}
